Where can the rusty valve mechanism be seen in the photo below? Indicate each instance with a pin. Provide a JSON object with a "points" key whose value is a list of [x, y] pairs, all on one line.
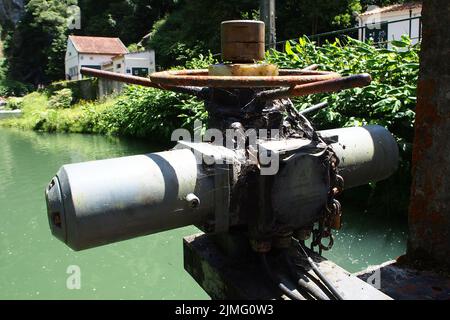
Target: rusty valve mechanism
{"points": [[279, 179]]}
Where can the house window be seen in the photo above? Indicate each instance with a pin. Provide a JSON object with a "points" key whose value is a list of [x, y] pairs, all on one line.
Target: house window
{"points": [[92, 67], [140, 72], [73, 71], [118, 66]]}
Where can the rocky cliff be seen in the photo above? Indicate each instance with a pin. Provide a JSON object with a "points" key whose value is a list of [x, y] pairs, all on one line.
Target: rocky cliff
{"points": [[11, 11]]}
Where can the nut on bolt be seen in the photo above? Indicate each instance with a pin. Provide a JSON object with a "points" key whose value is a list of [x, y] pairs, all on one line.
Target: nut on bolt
{"points": [[192, 200]]}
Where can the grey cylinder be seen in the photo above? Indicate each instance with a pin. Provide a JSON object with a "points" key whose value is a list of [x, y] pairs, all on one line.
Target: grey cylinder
{"points": [[99, 202], [366, 154]]}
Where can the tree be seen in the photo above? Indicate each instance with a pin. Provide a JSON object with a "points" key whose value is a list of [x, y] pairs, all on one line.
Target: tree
{"points": [[307, 17], [35, 48], [129, 20], [194, 27], [429, 214]]}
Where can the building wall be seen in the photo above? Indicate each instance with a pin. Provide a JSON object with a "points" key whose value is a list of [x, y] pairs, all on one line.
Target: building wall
{"points": [[145, 59], [71, 62], [92, 60], [74, 61], [119, 64], [396, 29]]}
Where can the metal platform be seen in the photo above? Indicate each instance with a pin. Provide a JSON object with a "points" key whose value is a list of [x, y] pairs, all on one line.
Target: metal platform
{"points": [[404, 283], [239, 275]]}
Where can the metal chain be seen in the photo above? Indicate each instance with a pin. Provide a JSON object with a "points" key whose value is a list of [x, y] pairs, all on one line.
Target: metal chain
{"points": [[333, 210]]}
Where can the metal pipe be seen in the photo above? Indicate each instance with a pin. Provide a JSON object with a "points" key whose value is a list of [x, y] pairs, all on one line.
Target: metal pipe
{"points": [[119, 77], [366, 154], [303, 282], [280, 285], [333, 85], [321, 276], [100, 202], [311, 67], [195, 91], [314, 108]]}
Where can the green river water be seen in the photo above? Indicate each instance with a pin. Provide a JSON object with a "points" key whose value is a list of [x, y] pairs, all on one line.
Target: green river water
{"points": [[33, 264]]}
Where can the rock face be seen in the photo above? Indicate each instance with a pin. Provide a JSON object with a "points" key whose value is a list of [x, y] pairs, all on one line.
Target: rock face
{"points": [[11, 11]]}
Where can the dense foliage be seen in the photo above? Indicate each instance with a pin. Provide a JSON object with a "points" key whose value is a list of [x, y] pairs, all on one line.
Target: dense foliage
{"points": [[61, 99], [129, 20], [35, 48], [194, 27], [178, 30]]}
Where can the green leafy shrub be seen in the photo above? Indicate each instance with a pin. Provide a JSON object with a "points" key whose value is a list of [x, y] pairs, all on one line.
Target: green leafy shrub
{"points": [[14, 103], [85, 89], [11, 88], [151, 113], [389, 100], [61, 99]]}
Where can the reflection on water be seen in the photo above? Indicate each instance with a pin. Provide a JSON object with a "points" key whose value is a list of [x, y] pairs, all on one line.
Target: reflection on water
{"points": [[33, 264], [367, 239]]}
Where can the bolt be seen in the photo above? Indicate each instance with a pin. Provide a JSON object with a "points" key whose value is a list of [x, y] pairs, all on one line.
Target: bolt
{"points": [[193, 200]]}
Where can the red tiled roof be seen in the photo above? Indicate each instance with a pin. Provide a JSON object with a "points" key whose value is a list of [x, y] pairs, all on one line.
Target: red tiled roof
{"points": [[394, 7], [98, 45]]}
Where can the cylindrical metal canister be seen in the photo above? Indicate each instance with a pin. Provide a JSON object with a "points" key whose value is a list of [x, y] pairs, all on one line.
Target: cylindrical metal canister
{"points": [[243, 40], [366, 154], [99, 202]]}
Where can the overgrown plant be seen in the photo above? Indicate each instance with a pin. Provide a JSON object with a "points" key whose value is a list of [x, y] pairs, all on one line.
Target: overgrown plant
{"points": [[61, 99]]}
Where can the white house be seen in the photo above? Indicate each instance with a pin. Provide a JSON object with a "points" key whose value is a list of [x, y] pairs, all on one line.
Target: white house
{"points": [[383, 25], [134, 63], [107, 54]]}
